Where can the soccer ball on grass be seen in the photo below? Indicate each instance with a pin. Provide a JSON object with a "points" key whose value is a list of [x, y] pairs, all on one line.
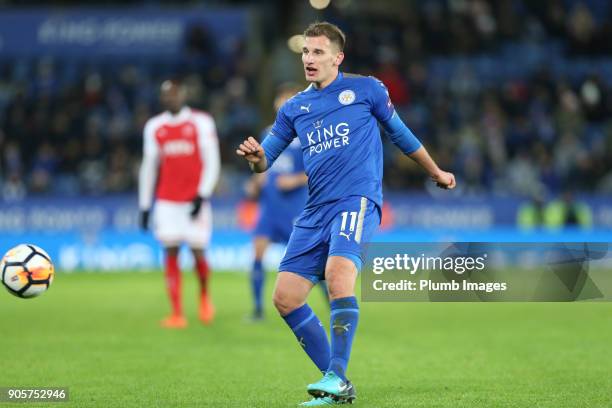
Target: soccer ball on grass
{"points": [[26, 271]]}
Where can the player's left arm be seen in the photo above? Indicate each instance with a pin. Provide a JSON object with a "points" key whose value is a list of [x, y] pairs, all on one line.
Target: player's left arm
{"points": [[209, 152], [410, 145], [443, 179], [403, 138]]}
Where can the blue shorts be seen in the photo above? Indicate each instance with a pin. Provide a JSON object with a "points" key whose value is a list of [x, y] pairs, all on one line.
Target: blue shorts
{"points": [[340, 228], [276, 227]]}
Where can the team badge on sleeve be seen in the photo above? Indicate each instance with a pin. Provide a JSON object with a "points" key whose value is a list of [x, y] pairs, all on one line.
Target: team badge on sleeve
{"points": [[346, 97]]}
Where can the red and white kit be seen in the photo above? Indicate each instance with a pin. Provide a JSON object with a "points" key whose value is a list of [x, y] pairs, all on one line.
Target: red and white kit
{"points": [[181, 153]]}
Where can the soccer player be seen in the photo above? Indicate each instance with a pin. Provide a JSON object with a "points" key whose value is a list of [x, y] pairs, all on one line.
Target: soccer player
{"points": [[282, 195], [181, 153], [336, 120]]}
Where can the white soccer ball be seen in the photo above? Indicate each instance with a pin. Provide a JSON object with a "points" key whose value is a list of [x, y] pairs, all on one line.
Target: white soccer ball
{"points": [[26, 271]]}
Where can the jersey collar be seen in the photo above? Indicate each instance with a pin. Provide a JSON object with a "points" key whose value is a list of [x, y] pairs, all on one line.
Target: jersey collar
{"points": [[181, 116], [338, 78]]}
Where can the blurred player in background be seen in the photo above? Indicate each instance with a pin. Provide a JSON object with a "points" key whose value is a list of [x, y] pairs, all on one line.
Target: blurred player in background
{"points": [[181, 154], [336, 120], [282, 193]]}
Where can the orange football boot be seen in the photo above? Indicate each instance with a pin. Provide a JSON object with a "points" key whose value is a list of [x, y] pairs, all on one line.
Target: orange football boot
{"points": [[207, 309], [174, 322]]}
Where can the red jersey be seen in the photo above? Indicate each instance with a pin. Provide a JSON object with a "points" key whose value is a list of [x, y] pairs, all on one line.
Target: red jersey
{"points": [[182, 151]]}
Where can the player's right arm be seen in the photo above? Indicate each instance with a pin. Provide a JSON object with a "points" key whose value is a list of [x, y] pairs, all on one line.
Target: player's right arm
{"points": [[148, 173], [262, 156]]}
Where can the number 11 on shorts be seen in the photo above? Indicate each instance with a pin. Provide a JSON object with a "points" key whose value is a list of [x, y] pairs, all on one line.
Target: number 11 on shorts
{"points": [[345, 215]]}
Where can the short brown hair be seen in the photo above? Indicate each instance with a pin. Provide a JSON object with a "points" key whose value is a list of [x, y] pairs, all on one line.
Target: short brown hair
{"points": [[329, 30]]}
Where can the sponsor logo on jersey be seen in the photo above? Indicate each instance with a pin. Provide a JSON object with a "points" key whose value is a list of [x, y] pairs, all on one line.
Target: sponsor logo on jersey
{"points": [[346, 97], [327, 136], [178, 148]]}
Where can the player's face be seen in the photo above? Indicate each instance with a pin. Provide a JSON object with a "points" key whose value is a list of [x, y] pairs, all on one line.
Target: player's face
{"points": [[321, 60], [172, 96]]}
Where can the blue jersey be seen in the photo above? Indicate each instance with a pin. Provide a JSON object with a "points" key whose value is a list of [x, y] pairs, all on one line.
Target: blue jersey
{"points": [[340, 139], [288, 203]]}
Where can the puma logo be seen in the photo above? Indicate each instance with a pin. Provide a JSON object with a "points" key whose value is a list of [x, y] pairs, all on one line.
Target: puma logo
{"points": [[346, 235], [343, 327], [306, 108]]}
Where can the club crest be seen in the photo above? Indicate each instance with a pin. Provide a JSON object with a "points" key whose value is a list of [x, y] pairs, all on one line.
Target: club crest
{"points": [[346, 97]]}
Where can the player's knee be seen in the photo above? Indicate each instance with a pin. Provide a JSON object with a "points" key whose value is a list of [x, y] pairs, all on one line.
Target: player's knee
{"points": [[339, 290], [283, 302], [259, 253], [340, 281], [260, 245], [197, 253], [172, 251]]}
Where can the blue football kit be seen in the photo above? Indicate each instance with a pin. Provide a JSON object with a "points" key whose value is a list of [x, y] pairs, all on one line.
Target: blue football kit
{"points": [[337, 127], [279, 208], [343, 158]]}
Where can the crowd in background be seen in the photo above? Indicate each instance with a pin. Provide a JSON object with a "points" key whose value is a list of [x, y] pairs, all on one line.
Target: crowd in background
{"points": [[73, 127], [513, 96]]}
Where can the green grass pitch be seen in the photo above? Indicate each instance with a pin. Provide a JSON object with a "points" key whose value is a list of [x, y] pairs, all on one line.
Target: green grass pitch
{"points": [[98, 335]]}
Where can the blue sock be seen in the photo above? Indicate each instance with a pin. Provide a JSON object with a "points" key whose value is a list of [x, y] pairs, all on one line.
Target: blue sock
{"points": [[310, 333], [257, 281], [344, 318]]}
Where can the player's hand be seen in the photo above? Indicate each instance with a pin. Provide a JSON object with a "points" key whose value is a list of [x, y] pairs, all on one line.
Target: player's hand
{"points": [[251, 150], [144, 219], [444, 180], [196, 204]]}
